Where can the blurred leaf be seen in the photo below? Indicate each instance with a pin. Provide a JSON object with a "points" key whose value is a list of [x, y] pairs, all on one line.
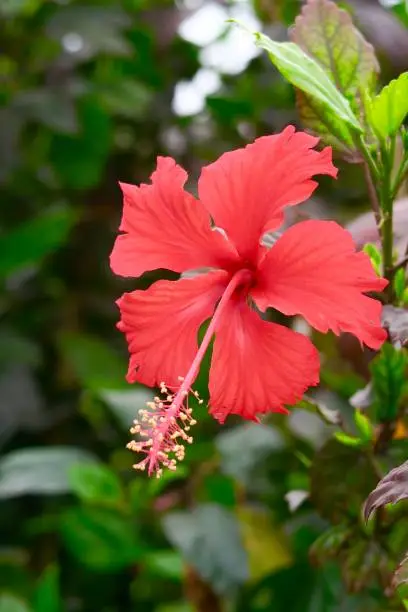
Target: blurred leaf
{"points": [[347, 440], [363, 398], [220, 489], [17, 349], [47, 592], [99, 539], [329, 544], [10, 129], [21, 402], [125, 97], [327, 34], [245, 447], [341, 477], [31, 241], [53, 108], [10, 603], [96, 366], [96, 483], [97, 29], [399, 285], [395, 321], [176, 607], [14, 8], [267, 544], [79, 160], [39, 471], [389, 108], [126, 403], [166, 564], [362, 564], [390, 490], [401, 573], [328, 415], [209, 538], [308, 76], [388, 377], [364, 426], [295, 499]]}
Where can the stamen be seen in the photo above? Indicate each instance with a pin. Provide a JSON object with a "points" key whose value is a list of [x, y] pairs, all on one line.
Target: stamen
{"points": [[163, 428], [163, 431]]}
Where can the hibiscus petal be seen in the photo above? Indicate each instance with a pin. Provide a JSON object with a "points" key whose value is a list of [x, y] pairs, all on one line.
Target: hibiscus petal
{"points": [[314, 270], [166, 227], [161, 325], [257, 366], [246, 190]]}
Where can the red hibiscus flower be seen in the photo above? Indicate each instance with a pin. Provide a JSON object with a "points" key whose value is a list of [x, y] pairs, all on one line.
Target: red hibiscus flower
{"points": [[313, 270]]}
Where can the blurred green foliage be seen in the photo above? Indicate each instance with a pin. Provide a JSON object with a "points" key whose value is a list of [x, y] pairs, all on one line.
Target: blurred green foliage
{"points": [[86, 100]]}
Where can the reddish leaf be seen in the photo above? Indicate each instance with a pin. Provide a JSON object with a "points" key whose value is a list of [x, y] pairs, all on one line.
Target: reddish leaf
{"points": [[390, 490], [327, 34]]}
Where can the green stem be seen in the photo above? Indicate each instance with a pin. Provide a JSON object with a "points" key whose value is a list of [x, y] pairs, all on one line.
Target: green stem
{"points": [[386, 202]]}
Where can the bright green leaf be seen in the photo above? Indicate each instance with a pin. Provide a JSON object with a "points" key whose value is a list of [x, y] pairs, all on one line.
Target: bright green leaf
{"points": [[99, 538], [327, 34], [39, 470], [399, 284], [209, 538], [388, 376], [96, 483], [374, 255], [31, 241], [166, 564], [364, 426], [47, 592], [348, 440], [389, 108], [308, 76]]}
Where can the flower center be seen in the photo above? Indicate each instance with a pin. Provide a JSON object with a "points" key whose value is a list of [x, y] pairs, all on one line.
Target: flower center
{"points": [[163, 428]]}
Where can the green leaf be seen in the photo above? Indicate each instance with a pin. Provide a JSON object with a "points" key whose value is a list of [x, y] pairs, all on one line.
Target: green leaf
{"points": [[95, 365], [99, 539], [308, 76], [39, 470], [209, 538], [364, 426], [47, 592], [166, 564], [399, 284], [96, 483], [30, 242], [388, 378], [10, 603], [390, 490], [388, 109], [79, 160], [347, 440], [327, 34], [375, 256]]}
